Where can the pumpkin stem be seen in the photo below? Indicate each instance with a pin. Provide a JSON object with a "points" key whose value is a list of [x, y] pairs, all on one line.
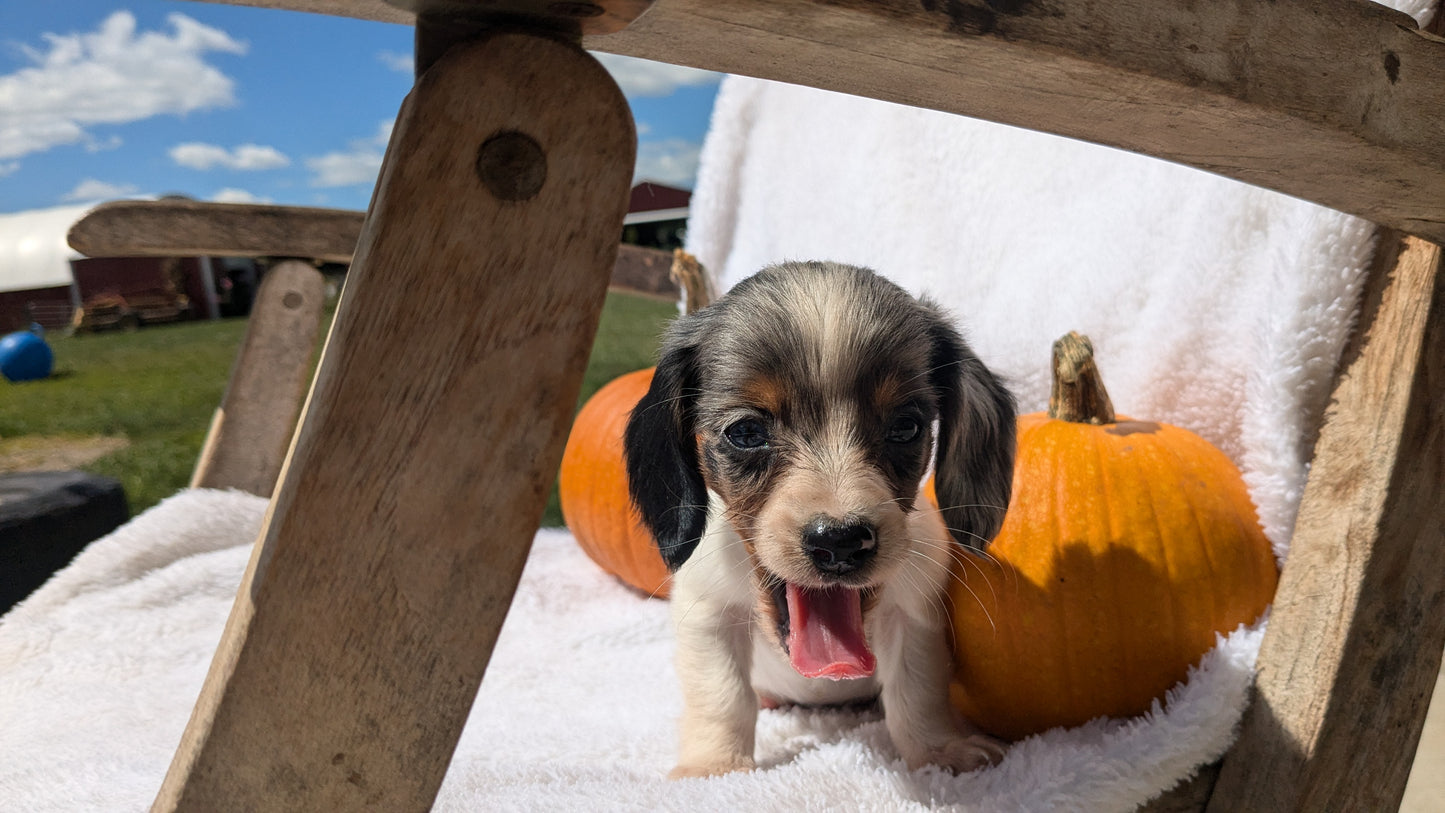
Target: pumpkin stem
{"points": [[688, 273], [1078, 393]]}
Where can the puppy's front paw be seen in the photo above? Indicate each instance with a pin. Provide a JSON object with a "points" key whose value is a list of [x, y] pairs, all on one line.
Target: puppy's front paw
{"points": [[714, 769], [962, 754]]}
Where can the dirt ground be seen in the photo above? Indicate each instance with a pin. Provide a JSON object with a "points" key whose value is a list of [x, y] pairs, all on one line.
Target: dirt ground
{"points": [[55, 453]]}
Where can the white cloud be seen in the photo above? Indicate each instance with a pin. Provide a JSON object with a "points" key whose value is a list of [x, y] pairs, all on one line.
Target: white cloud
{"points": [[197, 155], [233, 195], [643, 77], [8, 168], [671, 161], [94, 145], [356, 165], [91, 189], [401, 63], [350, 168], [112, 75]]}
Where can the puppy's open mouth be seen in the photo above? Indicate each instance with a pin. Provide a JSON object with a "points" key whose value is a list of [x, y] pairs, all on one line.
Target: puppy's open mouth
{"points": [[822, 630]]}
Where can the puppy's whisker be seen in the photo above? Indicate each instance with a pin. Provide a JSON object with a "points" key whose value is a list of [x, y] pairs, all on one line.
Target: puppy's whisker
{"points": [[678, 508], [966, 550], [931, 370], [716, 581], [955, 552], [717, 550], [893, 501], [684, 395], [915, 574], [989, 506], [972, 555], [963, 560], [924, 390], [665, 585], [984, 607], [960, 532]]}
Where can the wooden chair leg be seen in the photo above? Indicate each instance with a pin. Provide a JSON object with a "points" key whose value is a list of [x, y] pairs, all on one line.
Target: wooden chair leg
{"points": [[1354, 641], [252, 429], [432, 434]]}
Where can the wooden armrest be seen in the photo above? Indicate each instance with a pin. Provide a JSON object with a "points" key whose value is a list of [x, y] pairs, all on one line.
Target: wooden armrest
{"points": [[184, 228]]}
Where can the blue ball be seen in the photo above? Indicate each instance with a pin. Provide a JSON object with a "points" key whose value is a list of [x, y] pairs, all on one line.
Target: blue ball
{"points": [[25, 357]]}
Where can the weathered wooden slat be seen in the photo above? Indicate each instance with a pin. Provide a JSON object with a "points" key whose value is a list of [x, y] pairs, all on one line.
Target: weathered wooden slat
{"points": [[252, 428], [189, 228], [1337, 101], [1355, 636], [429, 441], [180, 228]]}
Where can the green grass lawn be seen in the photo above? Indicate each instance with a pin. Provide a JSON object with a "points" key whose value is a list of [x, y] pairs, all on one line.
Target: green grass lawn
{"points": [[157, 388]]}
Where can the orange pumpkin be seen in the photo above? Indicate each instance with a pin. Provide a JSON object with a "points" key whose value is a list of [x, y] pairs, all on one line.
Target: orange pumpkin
{"points": [[592, 486], [1127, 546]]}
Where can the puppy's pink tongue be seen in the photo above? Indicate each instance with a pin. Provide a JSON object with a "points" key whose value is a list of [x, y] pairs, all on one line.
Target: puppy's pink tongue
{"points": [[825, 633]]}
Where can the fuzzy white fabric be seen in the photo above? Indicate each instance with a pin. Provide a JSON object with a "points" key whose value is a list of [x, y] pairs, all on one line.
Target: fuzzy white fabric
{"points": [[100, 668]]}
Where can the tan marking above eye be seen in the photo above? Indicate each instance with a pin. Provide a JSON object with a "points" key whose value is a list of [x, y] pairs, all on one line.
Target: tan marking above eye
{"points": [[888, 395], [765, 393]]}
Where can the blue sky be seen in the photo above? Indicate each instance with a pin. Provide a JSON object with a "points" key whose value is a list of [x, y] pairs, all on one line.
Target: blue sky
{"points": [[111, 99]]}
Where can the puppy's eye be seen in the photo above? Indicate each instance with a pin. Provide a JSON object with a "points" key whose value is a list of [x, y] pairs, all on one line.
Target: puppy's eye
{"points": [[748, 433], [903, 429]]}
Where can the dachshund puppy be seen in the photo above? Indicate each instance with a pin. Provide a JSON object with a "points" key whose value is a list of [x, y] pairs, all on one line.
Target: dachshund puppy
{"points": [[777, 459]]}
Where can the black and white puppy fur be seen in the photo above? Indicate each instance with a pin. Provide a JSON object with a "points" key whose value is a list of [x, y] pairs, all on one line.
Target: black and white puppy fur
{"points": [[777, 459]]}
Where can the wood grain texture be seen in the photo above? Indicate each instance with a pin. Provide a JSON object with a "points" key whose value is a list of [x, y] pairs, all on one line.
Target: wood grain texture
{"points": [[189, 228], [1354, 642], [252, 429], [1341, 102], [431, 436]]}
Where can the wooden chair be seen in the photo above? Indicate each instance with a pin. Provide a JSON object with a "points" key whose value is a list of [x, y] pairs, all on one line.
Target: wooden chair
{"points": [[367, 616]]}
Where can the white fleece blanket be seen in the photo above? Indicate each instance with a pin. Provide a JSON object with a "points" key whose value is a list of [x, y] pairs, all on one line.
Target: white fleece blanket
{"points": [[99, 670], [1213, 305]]}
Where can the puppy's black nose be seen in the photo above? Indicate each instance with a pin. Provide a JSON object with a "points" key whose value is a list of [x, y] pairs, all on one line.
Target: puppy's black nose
{"points": [[838, 547]]}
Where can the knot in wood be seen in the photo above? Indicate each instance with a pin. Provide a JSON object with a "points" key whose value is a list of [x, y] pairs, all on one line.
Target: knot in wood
{"points": [[512, 165]]}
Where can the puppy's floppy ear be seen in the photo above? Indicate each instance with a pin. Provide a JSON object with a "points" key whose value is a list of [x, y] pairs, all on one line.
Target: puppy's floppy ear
{"points": [[664, 476], [976, 428]]}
